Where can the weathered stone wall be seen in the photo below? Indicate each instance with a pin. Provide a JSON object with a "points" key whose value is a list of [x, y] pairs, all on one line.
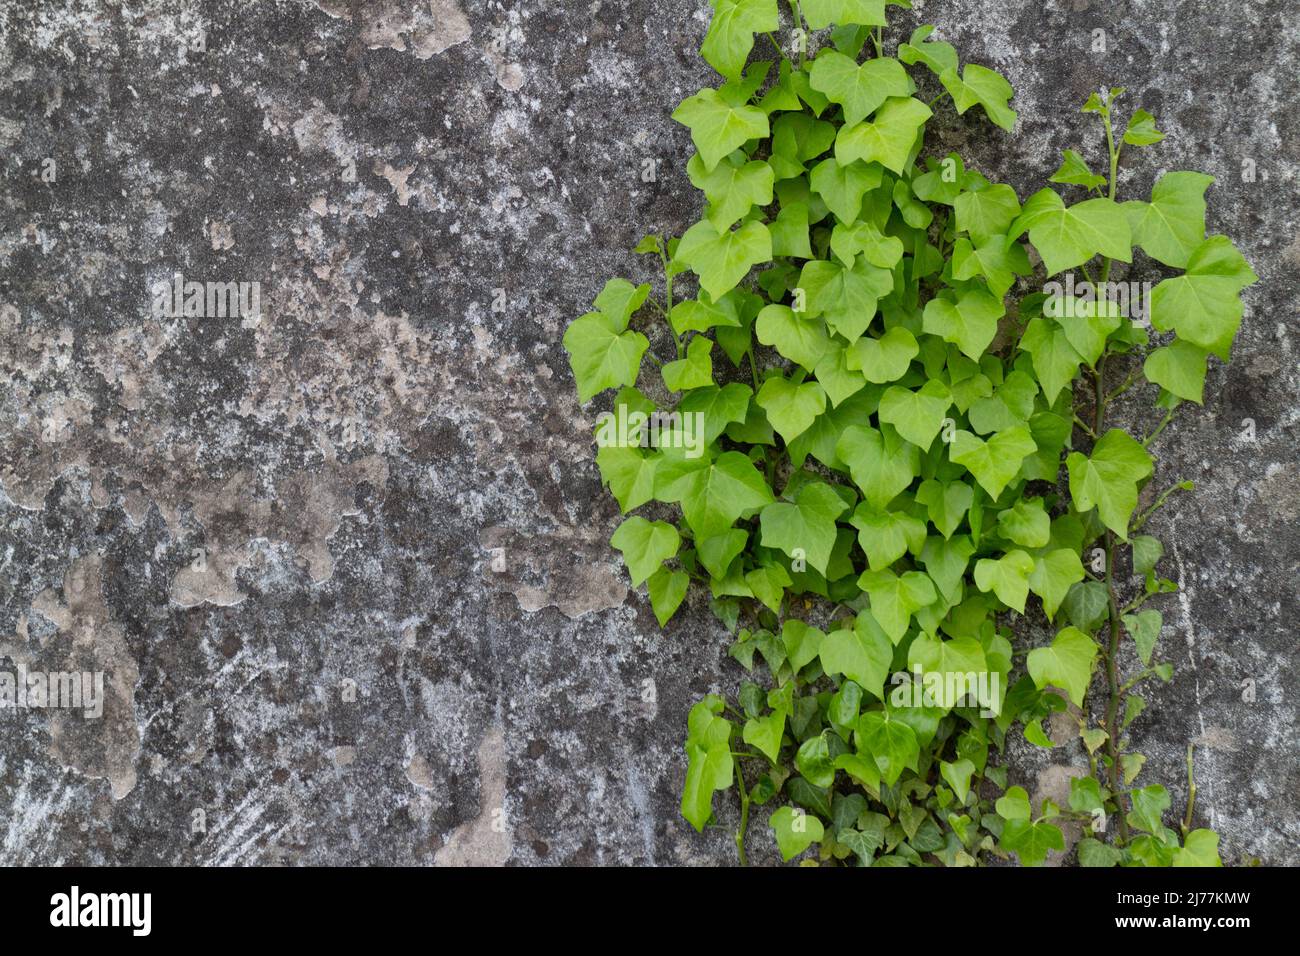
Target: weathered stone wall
{"points": [[243, 519]]}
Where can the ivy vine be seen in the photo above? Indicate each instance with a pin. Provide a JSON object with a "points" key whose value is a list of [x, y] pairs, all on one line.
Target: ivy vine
{"points": [[883, 426]]}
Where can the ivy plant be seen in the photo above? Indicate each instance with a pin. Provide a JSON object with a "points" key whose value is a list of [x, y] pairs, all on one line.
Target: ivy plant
{"points": [[867, 414]]}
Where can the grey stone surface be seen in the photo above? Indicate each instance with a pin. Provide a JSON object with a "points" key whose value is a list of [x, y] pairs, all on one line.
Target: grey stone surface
{"points": [[244, 519]]}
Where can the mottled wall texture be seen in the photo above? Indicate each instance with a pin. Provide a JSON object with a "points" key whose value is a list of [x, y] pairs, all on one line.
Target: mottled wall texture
{"points": [[346, 560]]}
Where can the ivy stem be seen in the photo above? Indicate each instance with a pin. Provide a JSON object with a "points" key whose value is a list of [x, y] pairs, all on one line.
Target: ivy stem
{"points": [[668, 291], [779, 52], [1136, 603], [1191, 793], [1139, 678], [1114, 155], [744, 814], [1128, 383], [1169, 417], [1142, 518], [1112, 653], [797, 12]]}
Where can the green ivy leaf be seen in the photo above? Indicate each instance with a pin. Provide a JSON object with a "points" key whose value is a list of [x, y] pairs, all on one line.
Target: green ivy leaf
{"points": [[1055, 360], [859, 89], [946, 562], [796, 335], [1201, 848], [889, 137], [802, 643], [842, 186], [813, 761], [884, 359], [880, 250], [970, 322], [717, 551], [1066, 664], [719, 127], [1142, 130], [887, 536], [733, 187], [881, 463], [1146, 552], [917, 415], [709, 762], [938, 56], [629, 474], [845, 297], [667, 588], [601, 353], [980, 86], [789, 232], [822, 13], [1074, 171], [987, 211], [795, 831], [995, 462], [719, 406], [1093, 852], [1026, 523], [1204, 305], [807, 525], [1108, 479], [1014, 805], [722, 259], [645, 545], [1145, 628], [841, 383], [1007, 577], [1149, 805], [765, 733], [961, 656], [1031, 841], [862, 654], [796, 139], [995, 257], [694, 371], [946, 503], [702, 314], [958, 774], [890, 742], [1086, 604], [619, 299], [713, 494], [790, 407], [1172, 224], [895, 598], [768, 583], [1054, 573], [1085, 795], [1178, 368], [731, 32], [1069, 236]]}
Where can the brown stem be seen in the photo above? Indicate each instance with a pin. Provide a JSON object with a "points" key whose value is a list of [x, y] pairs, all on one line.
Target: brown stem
{"points": [[1112, 652]]}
